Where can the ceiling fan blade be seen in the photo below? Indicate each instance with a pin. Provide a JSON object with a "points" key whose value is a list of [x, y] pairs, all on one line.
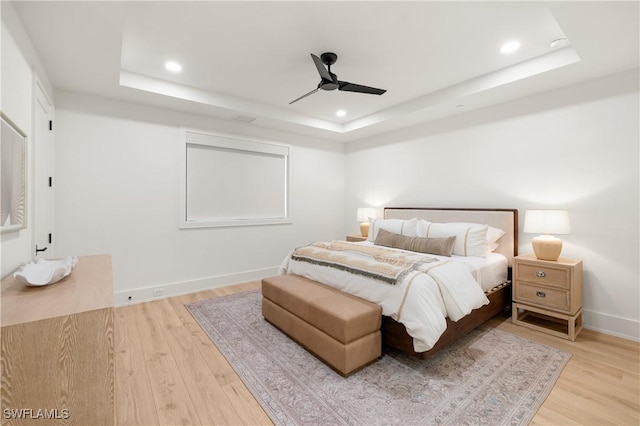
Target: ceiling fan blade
{"points": [[305, 95], [321, 69], [350, 87]]}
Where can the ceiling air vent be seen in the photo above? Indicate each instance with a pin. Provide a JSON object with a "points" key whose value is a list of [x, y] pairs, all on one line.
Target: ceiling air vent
{"points": [[243, 118]]}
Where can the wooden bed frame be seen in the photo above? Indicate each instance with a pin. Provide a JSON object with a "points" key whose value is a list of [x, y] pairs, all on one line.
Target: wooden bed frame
{"points": [[395, 335]]}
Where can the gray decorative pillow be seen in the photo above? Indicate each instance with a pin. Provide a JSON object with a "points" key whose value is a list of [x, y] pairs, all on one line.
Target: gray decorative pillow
{"points": [[439, 246]]}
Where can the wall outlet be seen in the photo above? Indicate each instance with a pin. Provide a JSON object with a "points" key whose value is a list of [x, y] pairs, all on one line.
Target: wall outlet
{"points": [[158, 293]]}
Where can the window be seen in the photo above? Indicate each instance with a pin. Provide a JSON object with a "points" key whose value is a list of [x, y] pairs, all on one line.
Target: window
{"points": [[233, 182]]}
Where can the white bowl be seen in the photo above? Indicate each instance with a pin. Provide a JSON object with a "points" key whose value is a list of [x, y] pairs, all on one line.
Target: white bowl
{"points": [[45, 272]]}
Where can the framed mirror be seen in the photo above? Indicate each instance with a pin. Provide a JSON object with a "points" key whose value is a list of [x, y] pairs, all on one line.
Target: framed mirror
{"points": [[13, 176]]}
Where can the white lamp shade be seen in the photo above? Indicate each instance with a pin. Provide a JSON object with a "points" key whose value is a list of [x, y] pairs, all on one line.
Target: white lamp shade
{"points": [[364, 213], [551, 222]]}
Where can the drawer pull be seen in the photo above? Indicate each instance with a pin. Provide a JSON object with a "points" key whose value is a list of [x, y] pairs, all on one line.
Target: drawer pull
{"points": [[540, 294], [541, 274]]}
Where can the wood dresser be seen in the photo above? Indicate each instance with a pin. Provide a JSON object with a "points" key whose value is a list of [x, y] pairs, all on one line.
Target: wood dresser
{"points": [[57, 349]]}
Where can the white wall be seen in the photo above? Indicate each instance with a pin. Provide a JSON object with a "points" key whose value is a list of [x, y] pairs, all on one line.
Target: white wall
{"points": [[575, 148], [117, 168], [18, 59]]}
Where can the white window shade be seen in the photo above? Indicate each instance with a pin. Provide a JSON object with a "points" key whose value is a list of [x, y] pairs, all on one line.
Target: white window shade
{"points": [[233, 182]]}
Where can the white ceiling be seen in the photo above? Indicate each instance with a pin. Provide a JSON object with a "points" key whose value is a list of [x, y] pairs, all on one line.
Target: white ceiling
{"points": [[252, 58]]}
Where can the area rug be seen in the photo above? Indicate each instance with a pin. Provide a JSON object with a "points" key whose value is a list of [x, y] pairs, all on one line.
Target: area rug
{"points": [[488, 377]]}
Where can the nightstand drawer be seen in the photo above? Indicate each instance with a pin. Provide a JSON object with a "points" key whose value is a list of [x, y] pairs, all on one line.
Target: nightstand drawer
{"points": [[543, 296], [542, 274]]}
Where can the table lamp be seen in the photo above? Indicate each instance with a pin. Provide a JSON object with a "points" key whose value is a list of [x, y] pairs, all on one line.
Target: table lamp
{"points": [[363, 215], [547, 222]]}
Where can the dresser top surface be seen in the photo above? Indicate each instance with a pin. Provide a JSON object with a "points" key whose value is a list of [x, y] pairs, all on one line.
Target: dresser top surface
{"points": [[87, 288]]}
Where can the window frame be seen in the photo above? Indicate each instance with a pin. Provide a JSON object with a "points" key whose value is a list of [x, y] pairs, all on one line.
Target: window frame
{"points": [[192, 137]]}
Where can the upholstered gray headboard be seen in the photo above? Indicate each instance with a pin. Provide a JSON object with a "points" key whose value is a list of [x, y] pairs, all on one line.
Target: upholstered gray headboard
{"points": [[505, 219]]}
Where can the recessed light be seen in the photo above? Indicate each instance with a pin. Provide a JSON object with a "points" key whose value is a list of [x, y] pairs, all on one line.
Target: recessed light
{"points": [[341, 113], [173, 66], [510, 47]]}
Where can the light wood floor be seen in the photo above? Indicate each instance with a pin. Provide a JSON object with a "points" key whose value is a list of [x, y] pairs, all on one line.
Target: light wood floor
{"points": [[168, 372]]}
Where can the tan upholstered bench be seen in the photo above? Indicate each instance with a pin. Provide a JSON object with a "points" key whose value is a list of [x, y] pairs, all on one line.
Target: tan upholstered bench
{"points": [[340, 329]]}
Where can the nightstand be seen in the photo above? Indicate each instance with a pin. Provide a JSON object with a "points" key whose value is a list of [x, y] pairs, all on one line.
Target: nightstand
{"points": [[547, 295], [356, 238]]}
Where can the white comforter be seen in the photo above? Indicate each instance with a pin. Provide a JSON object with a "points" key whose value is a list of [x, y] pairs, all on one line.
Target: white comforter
{"points": [[421, 301]]}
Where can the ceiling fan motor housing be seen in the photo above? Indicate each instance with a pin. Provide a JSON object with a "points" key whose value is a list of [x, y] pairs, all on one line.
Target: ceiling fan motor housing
{"points": [[329, 85]]}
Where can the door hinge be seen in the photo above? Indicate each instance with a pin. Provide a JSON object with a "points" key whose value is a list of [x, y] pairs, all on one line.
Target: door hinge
{"points": [[50, 181], [50, 239], [50, 124]]}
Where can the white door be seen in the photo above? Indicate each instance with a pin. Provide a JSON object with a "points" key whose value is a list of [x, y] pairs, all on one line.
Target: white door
{"points": [[43, 174]]}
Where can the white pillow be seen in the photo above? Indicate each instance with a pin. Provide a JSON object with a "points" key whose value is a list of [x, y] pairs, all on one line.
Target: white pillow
{"points": [[490, 247], [397, 226], [493, 234], [421, 228], [470, 237]]}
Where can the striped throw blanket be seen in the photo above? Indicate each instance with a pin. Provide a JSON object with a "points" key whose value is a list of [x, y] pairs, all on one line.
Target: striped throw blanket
{"points": [[379, 263]]}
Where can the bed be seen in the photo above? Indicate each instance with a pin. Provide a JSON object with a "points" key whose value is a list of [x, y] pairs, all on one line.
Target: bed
{"points": [[471, 287]]}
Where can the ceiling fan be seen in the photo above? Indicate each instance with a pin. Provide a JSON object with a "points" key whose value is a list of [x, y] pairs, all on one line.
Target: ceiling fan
{"points": [[329, 81]]}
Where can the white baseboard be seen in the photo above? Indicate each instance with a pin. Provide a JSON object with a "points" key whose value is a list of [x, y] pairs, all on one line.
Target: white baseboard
{"points": [[610, 324], [598, 321], [146, 294]]}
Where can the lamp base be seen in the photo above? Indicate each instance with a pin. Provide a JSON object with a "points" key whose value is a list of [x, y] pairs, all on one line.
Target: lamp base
{"points": [[364, 229], [547, 247]]}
